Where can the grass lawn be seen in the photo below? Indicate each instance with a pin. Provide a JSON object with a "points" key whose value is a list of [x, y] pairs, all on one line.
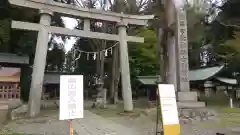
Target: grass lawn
{"points": [[227, 117], [231, 116], [231, 110]]}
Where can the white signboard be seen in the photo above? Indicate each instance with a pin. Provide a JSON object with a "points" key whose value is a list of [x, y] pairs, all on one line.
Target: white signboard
{"points": [[179, 3], [168, 104], [71, 97]]}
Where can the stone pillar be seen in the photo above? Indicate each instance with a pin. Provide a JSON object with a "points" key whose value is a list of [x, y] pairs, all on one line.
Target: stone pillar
{"points": [[39, 65], [86, 25], [238, 94], [124, 63], [208, 88], [186, 98], [231, 93], [104, 97], [182, 51]]}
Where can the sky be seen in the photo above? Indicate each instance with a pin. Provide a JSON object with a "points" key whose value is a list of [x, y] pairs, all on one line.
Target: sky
{"points": [[70, 23]]}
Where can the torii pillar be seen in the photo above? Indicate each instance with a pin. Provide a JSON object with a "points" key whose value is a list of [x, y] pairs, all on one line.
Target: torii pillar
{"points": [[177, 47], [125, 69], [39, 64]]}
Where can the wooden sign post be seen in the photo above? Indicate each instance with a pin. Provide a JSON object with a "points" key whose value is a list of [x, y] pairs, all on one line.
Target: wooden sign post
{"points": [[169, 109], [71, 98]]}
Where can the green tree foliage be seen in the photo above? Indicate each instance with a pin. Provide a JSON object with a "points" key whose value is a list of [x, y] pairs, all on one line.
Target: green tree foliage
{"points": [[143, 56], [4, 25], [224, 34], [196, 28], [4, 34], [55, 57]]}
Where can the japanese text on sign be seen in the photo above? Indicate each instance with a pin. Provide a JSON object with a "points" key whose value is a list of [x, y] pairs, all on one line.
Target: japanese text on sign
{"points": [[71, 97]]}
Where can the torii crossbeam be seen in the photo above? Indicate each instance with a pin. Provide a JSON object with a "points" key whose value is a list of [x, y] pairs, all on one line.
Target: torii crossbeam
{"points": [[47, 8]]}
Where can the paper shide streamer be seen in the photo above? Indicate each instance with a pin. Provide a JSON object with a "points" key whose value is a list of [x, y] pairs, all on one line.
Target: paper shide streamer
{"points": [[92, 54]]}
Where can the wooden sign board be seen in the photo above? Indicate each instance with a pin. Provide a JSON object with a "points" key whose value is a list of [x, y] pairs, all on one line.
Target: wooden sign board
{"points": [[71, 97], [169, 109]]}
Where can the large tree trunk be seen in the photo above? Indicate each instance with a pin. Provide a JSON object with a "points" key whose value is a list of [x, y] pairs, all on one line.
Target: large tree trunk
{"points": [[115, 76], [161, 25], [161, 53], [98, 63], [116, 84], [101, 99], [102, 60]]}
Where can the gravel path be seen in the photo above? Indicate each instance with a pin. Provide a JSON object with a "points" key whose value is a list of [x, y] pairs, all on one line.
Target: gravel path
{"points": [[145, 126], [93, 124]]}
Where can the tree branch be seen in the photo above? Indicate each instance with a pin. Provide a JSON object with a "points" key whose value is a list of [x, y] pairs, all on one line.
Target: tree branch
{"points": [[228, 25], [110, 2], [80, 3]]}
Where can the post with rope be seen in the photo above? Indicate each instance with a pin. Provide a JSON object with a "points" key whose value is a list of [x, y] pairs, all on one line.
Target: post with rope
{"points": [[101, 99]]}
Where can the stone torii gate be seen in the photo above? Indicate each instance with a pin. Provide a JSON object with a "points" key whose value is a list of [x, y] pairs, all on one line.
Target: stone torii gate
{"points": [[47, 8]]}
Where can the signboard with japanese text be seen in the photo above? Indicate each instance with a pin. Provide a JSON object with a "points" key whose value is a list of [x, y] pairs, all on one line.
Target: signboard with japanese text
{"points": [[169, 109], [71, 97]]}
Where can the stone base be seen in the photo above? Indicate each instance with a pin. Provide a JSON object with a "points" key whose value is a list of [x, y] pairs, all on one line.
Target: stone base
{"points": [[3, 105], [187, 96], [3, 116], [9, 104], [196, 115], [6, 106], [192, 104], [189, 100]]}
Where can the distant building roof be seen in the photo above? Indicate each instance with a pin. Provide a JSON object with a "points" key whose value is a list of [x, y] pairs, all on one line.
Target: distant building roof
{"points": [[204, 73], [227, 80], [54, 77], [148, 80], [13, 58], [194, 75], [51, 78]]}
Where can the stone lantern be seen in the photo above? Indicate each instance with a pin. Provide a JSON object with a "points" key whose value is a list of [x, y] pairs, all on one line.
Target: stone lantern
{"points": [[101, 99]]}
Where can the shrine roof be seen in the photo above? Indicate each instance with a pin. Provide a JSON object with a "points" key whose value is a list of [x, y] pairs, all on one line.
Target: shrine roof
{"points": [[148, 80], [204, 73], [13, 58], [194, 75], [227, 80]]}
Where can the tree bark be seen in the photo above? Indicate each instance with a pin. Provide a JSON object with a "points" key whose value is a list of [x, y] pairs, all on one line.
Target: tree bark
{"points": [[161, 53], [115, 76], [102, 60], [101, 99], [98, 62]]}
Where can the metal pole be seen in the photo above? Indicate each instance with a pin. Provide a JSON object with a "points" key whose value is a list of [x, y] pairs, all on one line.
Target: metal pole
{"points": [[70, 127], [157, 122], [158, 81]]}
